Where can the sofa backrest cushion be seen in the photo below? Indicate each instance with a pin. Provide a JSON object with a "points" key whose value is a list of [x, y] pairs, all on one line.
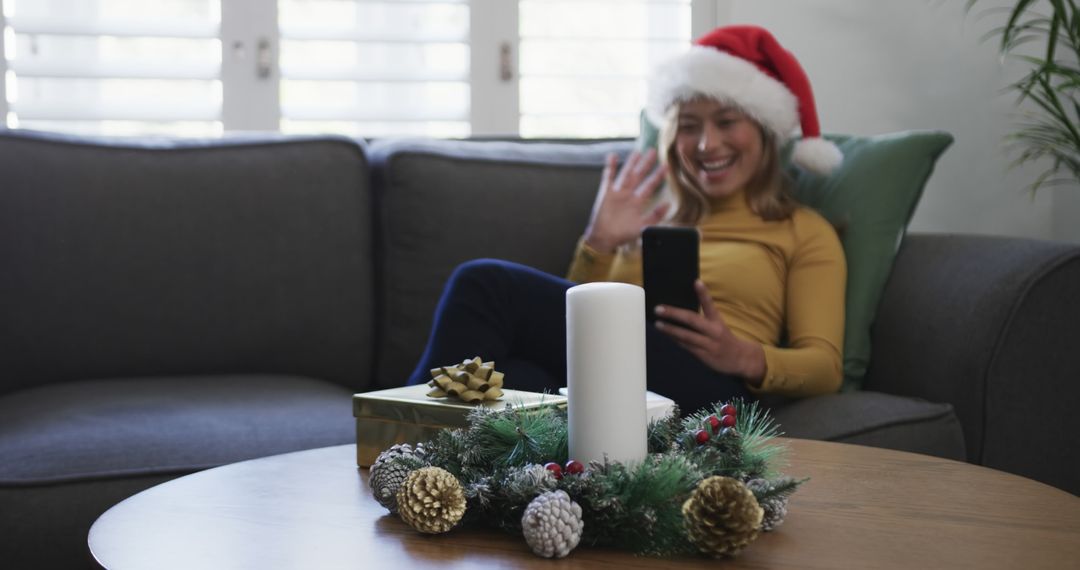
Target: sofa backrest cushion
{"points": [[445, 202], [158, 257]]}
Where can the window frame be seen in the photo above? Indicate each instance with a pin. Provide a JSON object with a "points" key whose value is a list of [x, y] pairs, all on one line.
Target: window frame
{"points": [[494, 24], [250, 100]]}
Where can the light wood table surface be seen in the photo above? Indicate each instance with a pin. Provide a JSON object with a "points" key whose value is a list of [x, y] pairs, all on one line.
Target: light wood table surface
{"points": [[863, 508]]}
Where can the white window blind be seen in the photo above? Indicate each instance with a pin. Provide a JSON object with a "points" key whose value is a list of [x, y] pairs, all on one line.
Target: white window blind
{"points": [[114, 66], [375, 67], [368, 68], [584, 63]]}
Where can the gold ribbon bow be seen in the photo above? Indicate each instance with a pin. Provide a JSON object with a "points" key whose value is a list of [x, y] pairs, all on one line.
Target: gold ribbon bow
{"points": [[471, 381]]}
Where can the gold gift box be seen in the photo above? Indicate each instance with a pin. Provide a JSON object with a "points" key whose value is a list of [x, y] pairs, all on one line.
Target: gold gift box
{"points": [[408, 415]]}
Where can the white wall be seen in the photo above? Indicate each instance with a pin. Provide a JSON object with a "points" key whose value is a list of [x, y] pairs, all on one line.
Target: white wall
{"points": [[887, 65]]}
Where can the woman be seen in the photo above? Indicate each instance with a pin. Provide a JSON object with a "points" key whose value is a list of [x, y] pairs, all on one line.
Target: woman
{"points": [[772, 272]]}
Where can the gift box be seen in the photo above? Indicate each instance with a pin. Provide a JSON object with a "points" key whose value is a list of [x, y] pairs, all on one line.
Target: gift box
{"points": [[408, 415]]}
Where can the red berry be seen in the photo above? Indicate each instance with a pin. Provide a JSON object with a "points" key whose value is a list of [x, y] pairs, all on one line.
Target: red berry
{"points": [[701, 436], [713, 422], [555, 469], [727, 410], [574, 467], [728, 421]]}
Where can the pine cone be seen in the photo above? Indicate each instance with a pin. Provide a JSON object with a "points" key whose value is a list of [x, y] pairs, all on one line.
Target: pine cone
{"points": [[387, 477], [389, 472], [552, 524], [775, 509], [721, 516], [431, 500], [774, 505], [402, 449]]}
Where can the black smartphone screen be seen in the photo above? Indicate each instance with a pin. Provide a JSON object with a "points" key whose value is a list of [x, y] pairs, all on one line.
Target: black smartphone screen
{"points": [[669, 259]]}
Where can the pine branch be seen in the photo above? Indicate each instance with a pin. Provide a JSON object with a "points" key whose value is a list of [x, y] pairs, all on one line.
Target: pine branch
{"points": [[780, 487], [446, 450], [760, 452], [636, 508], [664, 433], [517, 436], [498, 460]]}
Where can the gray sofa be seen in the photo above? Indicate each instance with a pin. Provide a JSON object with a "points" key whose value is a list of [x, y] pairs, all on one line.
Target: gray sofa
{"points": [[168, 306]]}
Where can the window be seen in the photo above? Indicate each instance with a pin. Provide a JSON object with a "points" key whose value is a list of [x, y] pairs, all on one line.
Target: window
{"points": [[114, 66], [375, 67], [371, 68], [584, 63]]}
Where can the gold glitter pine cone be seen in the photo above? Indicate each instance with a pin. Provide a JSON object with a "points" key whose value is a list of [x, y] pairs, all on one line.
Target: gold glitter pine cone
{"points": [[722, 516], [431, 500]]}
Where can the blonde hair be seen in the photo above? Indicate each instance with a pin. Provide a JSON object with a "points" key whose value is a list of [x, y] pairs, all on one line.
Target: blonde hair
{"points": [[768, 192]]}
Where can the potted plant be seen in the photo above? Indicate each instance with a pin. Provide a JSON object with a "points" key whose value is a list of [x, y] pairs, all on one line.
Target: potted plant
{"points": [[1049, 128]]}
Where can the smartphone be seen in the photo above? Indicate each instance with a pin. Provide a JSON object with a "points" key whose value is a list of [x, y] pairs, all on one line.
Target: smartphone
{"points": [[669, 258]]}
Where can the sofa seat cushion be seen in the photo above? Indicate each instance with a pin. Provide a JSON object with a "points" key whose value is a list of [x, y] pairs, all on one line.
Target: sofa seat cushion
{"points": [[145, 426], [875, 419]]}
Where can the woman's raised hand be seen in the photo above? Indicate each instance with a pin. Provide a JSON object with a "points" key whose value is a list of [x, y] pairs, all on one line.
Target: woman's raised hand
{"points": [[624, 203]]}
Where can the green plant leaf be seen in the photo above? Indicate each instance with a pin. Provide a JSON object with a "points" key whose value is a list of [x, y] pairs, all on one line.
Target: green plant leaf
{"points": [[1048, 93], [1017, 12]]}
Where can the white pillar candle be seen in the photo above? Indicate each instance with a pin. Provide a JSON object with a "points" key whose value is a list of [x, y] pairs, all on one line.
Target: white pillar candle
{"points": [[605, 372]]}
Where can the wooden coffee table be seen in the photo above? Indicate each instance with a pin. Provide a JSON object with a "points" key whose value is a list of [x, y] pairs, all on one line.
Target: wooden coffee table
{"points": [[863, 508]]}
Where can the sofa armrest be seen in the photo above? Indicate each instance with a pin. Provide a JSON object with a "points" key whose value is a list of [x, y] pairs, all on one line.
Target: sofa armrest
{"points": [[988, 324]]}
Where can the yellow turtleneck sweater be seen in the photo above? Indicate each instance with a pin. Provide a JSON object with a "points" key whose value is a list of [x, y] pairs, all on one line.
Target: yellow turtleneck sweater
{"points": [[765, 278]]}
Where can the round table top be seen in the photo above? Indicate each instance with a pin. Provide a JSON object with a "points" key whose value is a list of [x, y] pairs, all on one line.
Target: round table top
{"points": [[863, 507]]}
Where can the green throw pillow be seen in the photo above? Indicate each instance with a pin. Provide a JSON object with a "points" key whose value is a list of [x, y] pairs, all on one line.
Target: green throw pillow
{"points": [[871, 197]]}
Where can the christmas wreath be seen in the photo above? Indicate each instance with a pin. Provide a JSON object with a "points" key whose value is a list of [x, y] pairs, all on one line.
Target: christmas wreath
{"points": [[708, 485]]}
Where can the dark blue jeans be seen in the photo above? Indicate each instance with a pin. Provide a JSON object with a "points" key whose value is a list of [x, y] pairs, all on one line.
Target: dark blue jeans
{"points": [[516, 316]]}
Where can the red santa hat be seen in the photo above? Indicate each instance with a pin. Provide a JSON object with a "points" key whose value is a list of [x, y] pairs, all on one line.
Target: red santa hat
{"points": [[747, 67]]}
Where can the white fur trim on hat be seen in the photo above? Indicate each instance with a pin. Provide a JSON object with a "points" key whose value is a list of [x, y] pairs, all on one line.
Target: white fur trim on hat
{"points": [[708, 72], [817, 155]]}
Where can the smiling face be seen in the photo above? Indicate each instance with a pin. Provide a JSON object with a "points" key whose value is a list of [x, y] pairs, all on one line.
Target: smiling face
{"points": [[718, 146]]}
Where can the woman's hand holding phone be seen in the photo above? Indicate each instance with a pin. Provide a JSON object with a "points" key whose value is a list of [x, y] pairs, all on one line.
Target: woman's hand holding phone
{"points": [[706, 336], [624, 202]]}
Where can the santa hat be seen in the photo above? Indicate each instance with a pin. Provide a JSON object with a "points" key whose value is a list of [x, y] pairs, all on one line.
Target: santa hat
{"points": [[746, 66]]}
